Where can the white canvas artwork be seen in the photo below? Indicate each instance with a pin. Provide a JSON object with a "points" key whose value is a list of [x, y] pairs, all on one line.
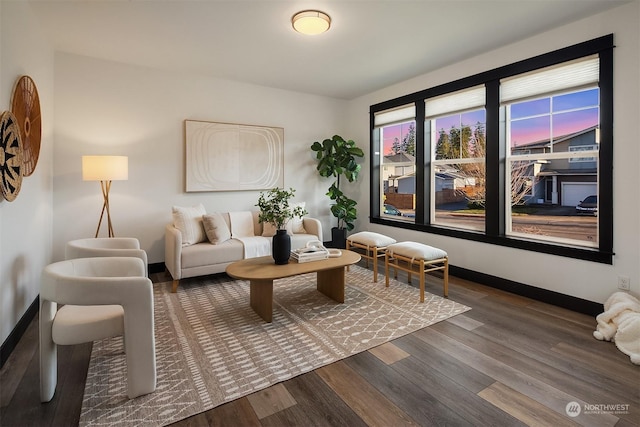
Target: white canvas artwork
{"points": [[233, 157]]}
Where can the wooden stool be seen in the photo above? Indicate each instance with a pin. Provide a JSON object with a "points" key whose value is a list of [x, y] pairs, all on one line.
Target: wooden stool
{"points": [[371, 245], [416, 258]]}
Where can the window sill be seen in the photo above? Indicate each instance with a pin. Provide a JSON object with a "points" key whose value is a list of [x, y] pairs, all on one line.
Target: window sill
{"points": [[587, 254]]}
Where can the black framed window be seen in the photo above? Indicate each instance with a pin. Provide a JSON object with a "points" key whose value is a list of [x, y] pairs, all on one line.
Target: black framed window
{"points": [[517, 156], [455, 126], [395, 131]]}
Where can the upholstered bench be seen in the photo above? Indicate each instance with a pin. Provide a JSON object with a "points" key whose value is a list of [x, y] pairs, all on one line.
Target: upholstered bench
{"points": [[370, 246], [418, 258]]}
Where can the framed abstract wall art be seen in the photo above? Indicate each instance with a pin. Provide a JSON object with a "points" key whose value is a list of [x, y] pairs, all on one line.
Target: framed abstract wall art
{"points": [[233, 157]]}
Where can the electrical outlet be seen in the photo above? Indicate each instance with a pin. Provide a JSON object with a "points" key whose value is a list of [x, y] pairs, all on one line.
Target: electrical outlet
{"points": [[624, 283]]}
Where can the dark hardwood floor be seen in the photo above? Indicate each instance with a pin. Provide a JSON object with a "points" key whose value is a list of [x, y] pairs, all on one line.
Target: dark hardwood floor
{"points": [[508, 361]]}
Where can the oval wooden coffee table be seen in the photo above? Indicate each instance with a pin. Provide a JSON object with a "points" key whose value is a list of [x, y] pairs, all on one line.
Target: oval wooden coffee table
{"points": [[262, 271]]}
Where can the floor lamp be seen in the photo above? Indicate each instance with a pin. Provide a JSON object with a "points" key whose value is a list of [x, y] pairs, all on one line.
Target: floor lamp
{"points": [[105, 169]]}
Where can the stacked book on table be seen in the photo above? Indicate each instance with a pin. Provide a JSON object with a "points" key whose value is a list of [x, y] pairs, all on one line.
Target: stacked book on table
{"points": [[310, 254]]}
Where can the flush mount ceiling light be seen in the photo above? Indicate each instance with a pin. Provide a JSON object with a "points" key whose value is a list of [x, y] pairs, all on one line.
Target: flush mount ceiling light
{"points": [[311, 22]]}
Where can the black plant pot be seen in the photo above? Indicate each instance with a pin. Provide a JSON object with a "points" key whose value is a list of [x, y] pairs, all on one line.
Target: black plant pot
{"points": [[339, 237], [281, 247]]}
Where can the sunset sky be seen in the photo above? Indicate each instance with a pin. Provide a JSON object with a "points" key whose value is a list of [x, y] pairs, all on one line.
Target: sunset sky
{"points": [[530, 120]]}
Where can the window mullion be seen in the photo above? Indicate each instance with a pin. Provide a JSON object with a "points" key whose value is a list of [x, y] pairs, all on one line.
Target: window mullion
{"points": [[495, 164], [374, 165], [605, 197], [423, 165]]}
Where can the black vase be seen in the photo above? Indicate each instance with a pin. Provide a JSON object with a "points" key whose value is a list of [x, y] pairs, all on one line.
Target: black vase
{"points": [[281, 247]]}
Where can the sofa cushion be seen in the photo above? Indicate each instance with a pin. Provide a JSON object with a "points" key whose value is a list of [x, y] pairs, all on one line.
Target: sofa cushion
{"points": [[241, 224], [268, 229], [371, 239], [189, 221], [415, 250], [216, 228], [204, 254]]}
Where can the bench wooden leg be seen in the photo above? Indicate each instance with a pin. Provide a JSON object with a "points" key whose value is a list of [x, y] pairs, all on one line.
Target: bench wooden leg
{"points": [[386, 270], [374, 253], [446, 277], [422, 274]]}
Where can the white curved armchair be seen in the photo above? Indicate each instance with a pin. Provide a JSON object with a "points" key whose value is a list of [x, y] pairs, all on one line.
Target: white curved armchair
{"points": [[106, 247], [103, 297]]}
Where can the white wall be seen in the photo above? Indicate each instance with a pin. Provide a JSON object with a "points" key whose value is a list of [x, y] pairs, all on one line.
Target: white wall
{"points": [[111, 108], [588, 280], [25, 223]]}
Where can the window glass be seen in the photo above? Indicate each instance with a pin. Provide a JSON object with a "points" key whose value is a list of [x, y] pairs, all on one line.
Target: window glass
{"points": [[459, 195], [458, 174], [398, 172], [574, 100], [553, 168], [570, 123], [529, 134], [530, 108]]}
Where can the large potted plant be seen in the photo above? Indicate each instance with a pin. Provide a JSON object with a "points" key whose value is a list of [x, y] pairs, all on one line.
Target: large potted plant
{"points": [[275, 210], [337, 157]]}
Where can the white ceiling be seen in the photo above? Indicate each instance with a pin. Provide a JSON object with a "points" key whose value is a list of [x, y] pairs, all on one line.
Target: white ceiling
{"points": [[371, 44]]}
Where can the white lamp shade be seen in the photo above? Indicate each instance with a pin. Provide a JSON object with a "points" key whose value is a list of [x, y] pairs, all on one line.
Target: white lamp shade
{"points": [[105, 168], [311, 22]]}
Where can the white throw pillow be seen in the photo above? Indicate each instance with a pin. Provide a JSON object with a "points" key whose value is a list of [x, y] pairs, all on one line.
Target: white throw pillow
{"points": [[295, 224], [241, 224], [189, 221], [216, 228]]}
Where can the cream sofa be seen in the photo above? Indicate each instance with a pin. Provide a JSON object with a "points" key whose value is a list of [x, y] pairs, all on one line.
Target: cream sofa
{"points": [[204, 258]]}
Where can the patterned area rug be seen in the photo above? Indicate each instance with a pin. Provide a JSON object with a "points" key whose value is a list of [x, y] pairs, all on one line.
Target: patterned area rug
{"points": [[212, 348]]}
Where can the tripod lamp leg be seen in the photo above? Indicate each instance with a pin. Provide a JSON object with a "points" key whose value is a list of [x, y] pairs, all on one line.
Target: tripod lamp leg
{"points": [[105, 186]]}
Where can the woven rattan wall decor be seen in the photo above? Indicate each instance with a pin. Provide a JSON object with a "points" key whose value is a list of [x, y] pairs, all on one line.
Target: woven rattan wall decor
{"points": [[10, 156], [25, 105]]}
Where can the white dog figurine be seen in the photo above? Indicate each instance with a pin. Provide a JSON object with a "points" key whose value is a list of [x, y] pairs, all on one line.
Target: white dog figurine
{"points": [[620, 322]]}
